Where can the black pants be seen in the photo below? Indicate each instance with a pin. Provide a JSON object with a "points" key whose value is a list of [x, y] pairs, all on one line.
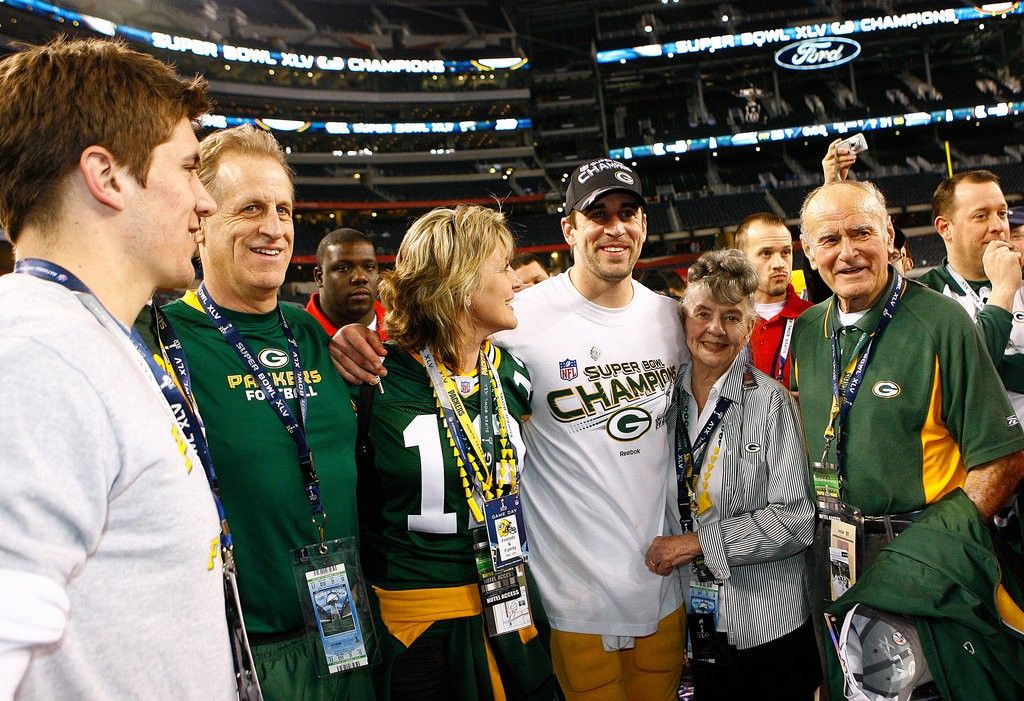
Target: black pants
{"points": [[421, 673], [786, 669]]}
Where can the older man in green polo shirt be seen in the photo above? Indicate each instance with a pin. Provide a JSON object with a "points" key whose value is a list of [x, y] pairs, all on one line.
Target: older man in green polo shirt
{"points": [[930, 415], [898, 395]]}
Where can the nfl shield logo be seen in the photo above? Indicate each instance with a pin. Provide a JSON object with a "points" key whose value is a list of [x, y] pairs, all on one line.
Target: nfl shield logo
{"points": [[567, 369]]}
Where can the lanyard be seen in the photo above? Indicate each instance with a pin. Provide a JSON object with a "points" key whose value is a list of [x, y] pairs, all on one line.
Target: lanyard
{"points": [[965, 287], [188, 421], [475, 449], [293, 424], [686, 472], [844, 394], [782, 354]]}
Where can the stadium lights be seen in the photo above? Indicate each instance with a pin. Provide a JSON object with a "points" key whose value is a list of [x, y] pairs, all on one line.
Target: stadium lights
{"points": [[785, 35], [996, 8], [283, 124], [496, 64], [219, 121], [975, 114], [265, 57]]}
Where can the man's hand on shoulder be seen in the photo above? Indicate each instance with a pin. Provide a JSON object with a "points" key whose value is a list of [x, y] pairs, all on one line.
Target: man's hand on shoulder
{"points": [[356, 352]]}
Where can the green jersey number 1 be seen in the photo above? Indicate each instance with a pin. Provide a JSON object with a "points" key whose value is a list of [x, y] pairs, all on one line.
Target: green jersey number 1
{"points": [[424, 434]]}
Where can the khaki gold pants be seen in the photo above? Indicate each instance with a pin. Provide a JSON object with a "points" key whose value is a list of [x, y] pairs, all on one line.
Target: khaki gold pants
{"points": [[649, 671]]}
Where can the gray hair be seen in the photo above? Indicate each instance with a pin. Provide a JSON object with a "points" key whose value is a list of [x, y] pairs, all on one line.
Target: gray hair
{"points": [[727, 277], [868, 188]]}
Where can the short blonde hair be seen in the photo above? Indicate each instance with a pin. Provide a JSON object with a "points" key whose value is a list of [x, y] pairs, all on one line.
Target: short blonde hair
{"points": [[439, 265], [246, 140]]}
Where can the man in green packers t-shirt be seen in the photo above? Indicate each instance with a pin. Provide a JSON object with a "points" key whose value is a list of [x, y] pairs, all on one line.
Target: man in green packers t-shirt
{"points": [[245, 250], [981, 270], [930, 415]]}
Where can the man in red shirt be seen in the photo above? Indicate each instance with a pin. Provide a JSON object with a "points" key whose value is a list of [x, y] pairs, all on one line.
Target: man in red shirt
{"points": [[768, 244], [346, 275]]}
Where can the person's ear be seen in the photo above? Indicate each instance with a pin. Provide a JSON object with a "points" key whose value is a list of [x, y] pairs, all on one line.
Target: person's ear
{"points": [[568, 230], [103, 177]]}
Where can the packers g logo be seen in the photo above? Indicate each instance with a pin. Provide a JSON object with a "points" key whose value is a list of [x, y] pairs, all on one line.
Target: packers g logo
{"points": [[629, 424], [886, 389], [1018, 316], [273, 358]]}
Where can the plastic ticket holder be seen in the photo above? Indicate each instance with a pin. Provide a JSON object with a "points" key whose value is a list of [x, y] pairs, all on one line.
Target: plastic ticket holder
{"points": [[335, 606]]}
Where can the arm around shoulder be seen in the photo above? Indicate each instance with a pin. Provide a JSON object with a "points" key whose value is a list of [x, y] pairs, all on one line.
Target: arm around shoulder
{"points": [[356, 352]]}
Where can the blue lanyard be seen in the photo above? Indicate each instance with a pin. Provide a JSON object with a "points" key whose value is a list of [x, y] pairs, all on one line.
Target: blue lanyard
{"points": [[292, 424], [782, 352], [686, 473], [189, 421], [843, 397]]}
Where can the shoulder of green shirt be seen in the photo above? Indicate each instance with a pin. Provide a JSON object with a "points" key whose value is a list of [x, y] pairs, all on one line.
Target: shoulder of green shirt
{"points": [[298, 316], [936, 279]]}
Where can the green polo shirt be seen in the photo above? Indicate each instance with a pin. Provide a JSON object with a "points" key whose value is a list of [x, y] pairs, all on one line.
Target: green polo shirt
{"points": [[930, 407], [994, 323]]}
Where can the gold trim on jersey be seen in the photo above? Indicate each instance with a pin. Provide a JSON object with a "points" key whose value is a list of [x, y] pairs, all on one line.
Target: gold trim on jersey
{"points": [[942, 464]]}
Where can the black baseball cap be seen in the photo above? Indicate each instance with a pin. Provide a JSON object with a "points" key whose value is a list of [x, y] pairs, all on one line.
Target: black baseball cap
{"points": [[598, 178]]}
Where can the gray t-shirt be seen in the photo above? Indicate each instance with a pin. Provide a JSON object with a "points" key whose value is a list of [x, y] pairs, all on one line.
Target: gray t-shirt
{"points": [[103, 495]]}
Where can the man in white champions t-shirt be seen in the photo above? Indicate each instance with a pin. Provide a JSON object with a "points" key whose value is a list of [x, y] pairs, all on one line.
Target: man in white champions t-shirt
{"points": [[603, 353]]}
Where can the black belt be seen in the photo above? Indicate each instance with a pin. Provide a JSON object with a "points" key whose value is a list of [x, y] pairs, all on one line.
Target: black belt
{"points": [[267, 638], [890, 524]]}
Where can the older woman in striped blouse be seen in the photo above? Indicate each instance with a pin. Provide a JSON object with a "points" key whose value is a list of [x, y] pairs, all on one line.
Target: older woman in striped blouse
{"points": [[745, 504]]}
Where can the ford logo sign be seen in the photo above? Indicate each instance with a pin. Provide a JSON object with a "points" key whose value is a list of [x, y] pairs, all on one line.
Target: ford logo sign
{"points": [[812, 54]]}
